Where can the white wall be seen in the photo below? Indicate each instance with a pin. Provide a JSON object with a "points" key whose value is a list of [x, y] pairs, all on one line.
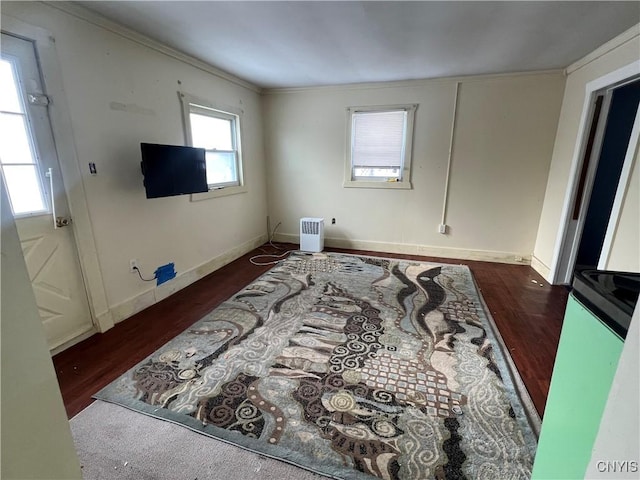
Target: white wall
{"points": [[100, 69], [36, 438], [594, 66], [504, 138]]}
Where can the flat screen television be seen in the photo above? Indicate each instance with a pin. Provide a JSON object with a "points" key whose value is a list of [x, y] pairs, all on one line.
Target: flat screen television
{"points": [[170, 170]]}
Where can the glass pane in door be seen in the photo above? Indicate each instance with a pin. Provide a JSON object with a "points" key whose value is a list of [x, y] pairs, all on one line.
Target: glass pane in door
{"points": [[24, 189], [9, 100], [18, 160], [14, 139]]}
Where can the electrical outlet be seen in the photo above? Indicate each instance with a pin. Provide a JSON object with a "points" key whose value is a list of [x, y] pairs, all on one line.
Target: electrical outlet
{"points": [[333, 221], [442, 228], [133, 265]]}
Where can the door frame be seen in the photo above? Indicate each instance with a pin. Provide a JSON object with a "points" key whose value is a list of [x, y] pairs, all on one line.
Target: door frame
{"points": [[61, 126], [567, 239]]}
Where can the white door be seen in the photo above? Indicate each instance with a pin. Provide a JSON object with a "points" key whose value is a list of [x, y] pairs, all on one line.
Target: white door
{"points": [[33, 179]]}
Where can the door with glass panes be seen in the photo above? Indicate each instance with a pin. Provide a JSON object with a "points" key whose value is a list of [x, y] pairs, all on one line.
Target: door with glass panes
{"points": [[34, 182]]}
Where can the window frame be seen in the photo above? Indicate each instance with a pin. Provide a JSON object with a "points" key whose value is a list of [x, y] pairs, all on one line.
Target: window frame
{"points": [[199, 106], [404, 182]]}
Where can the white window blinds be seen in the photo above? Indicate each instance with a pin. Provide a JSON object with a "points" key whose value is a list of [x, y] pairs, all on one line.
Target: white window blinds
{"points": [[378, 139], [379, 146]]}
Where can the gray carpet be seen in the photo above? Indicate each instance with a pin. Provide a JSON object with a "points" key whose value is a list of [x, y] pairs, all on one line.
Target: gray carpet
{"points": [[134, 446]]}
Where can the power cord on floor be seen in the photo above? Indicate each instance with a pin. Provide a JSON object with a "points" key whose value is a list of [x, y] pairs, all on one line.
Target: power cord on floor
{"points": [[269, 255], [141, 277], [273, 234]]}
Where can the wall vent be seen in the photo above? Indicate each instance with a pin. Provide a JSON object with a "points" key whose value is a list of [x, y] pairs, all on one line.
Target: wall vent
{"points": [[311, 234]]}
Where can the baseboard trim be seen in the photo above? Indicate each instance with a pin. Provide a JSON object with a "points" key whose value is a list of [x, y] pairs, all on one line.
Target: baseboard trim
{"points": [[74, 338], [540, 267], [130, 307], [515, 258]]}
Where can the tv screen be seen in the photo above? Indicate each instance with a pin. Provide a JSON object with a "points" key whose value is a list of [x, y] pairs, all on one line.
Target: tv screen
{"points": [[173, 170]]}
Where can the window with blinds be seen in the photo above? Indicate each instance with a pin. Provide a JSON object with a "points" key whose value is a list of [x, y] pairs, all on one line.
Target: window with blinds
{"points": [[379, 153]]}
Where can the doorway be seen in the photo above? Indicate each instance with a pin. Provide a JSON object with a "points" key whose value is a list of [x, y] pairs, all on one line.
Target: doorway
{"points": [[600, 175], [32, 176], [619, 124]]}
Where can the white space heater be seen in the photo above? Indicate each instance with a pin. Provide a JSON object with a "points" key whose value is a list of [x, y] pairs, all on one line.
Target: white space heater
{"points": [[311, 234]]}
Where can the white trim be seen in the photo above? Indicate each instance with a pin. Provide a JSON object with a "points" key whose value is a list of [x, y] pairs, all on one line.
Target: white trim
{"points": [[69, 167], [612, 44], [572, 237], [617, 76], [227, 112], [149, 297], [539, 266], [587, 111], [203, 102], [406, 83], [98, 20], [565, 218], [516, 258], [404, 185], [621, 192], [219, 192]]}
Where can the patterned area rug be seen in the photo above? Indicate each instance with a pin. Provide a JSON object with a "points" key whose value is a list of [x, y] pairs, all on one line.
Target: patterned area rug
{"points": [[352, 367]]}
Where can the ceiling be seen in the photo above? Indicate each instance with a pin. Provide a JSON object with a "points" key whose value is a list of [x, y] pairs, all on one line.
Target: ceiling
{"points": [[296, 44]]}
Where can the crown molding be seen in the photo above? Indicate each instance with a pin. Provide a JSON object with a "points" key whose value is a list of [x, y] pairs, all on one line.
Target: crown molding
{"points": [[408, 83], [612, 44]]}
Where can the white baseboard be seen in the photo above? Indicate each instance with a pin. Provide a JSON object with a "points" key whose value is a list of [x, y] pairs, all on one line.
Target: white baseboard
{"points": [[516, 258], [541, 268], [135, 304], [74, 338]]}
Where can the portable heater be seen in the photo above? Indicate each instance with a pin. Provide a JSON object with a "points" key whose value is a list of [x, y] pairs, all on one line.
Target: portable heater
{"points": [[311, 234]]}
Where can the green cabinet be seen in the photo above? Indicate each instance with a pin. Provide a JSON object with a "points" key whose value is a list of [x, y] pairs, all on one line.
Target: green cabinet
{"points": [[584, 368]]}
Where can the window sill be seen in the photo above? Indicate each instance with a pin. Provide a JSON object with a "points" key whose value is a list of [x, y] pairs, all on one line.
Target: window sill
{"points": [[218, 192], [382, 184]]}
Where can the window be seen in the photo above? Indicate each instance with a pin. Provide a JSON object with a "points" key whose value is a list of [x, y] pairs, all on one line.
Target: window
{"points": [[379, 150], [216, 130], [18, 159]]}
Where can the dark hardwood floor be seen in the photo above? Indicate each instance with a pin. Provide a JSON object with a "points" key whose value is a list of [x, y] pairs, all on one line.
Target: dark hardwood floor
{"points": [[528, 315]]}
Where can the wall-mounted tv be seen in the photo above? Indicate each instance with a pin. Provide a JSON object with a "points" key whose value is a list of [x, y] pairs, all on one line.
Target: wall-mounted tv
{"points": [[173, 170]]}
